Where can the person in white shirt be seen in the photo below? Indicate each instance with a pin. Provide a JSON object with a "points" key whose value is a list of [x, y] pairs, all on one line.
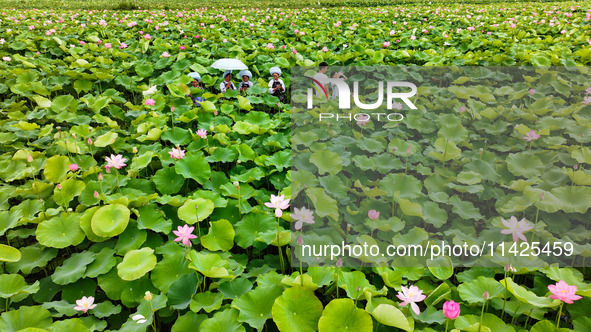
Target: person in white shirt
{"points": [[246, 82], [276, 85], [227, 83], [322, 78], [335, 89]]}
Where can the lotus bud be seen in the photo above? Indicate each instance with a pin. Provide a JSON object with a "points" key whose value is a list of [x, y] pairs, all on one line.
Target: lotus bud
{"points": [[30, 158], [340, 263], [100, 177], [73, 167], [59, 186], [134, 150], [96, 194], [485, 295], [89, 141]]}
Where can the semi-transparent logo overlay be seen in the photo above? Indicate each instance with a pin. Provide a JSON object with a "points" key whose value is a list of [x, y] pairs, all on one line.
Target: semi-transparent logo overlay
{"points": [[441, 166]]}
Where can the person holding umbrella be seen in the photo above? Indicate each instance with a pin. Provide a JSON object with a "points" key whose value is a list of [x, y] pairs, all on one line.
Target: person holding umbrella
{"points": [[246, 82], [276, 85], [227, 84]]}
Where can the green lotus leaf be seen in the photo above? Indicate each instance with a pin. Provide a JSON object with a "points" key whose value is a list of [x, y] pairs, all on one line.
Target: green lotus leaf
{"points": [[106, 309], [327, 162], [440, 293], [223, 321], [525, 164], [297, 310], [220, 236], [195, 210], [401, 186], [14, 286], [167, 181], [60, 232], [25, 317], [207, 301], [527, 296], [64, 103], [72, 268], [74, 324], [188, 322], [31, 257], [106, 139], [490, 323], [472, 291], [181, 291], [324, 205], [171, 268], [110, 220], [447, 150], [136, 264], [573, 199], [255, 306], [194, 166], [255, 229], [150, 217], [209, 264], [441, 267], [56, 168], [71, 188], [342, 314], [9, 254], [177, 136], [389, 315], [103, 262]]}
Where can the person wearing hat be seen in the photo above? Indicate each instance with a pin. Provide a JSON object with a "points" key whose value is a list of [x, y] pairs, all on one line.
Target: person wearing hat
{"points": [[196, 83], [227, 83], [246, 82], [276, 85]]}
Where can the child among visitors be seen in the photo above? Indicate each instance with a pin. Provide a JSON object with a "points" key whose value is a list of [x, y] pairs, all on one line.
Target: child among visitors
{"points": [[227, 83], [246, 82]]}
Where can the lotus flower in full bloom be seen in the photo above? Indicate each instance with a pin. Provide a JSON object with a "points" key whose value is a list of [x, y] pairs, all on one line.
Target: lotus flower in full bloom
{"points": [[85, 304], [411, 295], [279, 203], [564, 292]]}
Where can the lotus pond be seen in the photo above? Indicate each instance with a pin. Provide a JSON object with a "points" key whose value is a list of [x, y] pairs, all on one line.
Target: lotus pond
{"points": [[124, 207]]}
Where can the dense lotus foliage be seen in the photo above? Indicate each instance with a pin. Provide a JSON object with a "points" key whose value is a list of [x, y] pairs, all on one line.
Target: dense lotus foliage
{"points": [[125, 207]]}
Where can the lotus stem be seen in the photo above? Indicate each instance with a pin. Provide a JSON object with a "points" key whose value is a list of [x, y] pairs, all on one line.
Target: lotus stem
{"points": [[559, 314]]}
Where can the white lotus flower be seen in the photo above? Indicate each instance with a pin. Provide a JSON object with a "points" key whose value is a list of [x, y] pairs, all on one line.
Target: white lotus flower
{"points": [[150, 91], [138, 318]]}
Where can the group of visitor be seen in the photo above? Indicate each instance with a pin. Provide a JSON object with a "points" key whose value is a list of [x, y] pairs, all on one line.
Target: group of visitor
{"points": [[276, 85]]}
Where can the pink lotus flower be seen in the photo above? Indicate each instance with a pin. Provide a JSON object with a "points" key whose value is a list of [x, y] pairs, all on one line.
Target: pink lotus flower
{"points": [[516, 228], [165, 54], [363, 121], [373, 214], [392, 32], [278, 203], [202, 133], [85, 304], [73, 167], [150, 102], [462, 109], [116, 161], [325, 49], [82, 42], [184, 234], [564, 292], [183, 47], [413, 37], [107, 45], [451, 309], [411, 295], [302, 216], [587, 100], [6, 58], [386, 44], [292, 51], [531, 91], [123, 45], [588, 91], [531, 136], [177, 153]]}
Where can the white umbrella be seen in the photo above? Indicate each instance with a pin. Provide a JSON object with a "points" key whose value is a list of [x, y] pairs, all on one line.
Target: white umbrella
{"points": [[229, 64]]}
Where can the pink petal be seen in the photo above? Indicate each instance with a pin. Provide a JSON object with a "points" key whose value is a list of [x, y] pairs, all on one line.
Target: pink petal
{"points": [[415, 308]]}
